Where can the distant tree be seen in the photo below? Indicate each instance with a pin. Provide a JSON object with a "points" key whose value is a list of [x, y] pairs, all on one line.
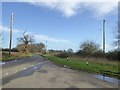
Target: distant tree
{"points": [[64, 51], [70, 51], [30, 48], [89, 48], [40, 46], [55, 51], [51, 51], [7, 49], [25, 40]]}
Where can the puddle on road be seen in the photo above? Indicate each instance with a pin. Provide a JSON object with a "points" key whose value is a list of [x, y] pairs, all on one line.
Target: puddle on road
{"points": [[108, 79], [26, 72], [1, 63]]}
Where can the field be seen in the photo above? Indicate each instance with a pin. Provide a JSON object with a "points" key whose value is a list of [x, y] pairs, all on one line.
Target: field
{"points": [[105, 67]]}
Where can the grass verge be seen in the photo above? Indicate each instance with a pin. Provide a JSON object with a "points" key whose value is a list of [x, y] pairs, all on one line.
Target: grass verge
{"points": [[5, 57], [93, 67]]}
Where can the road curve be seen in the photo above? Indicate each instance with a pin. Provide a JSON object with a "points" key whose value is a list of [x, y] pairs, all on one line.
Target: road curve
{"points": [[38, 72]]}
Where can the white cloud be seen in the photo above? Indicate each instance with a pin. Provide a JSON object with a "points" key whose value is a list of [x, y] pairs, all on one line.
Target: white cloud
{"points": [[72, 8], [47, 38], [60, 0], [6, 29], [37, 37], [68, 8], [102, 9]]}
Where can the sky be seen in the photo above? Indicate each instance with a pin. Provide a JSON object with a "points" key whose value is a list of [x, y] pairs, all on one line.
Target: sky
{"points": [[62, 24]]}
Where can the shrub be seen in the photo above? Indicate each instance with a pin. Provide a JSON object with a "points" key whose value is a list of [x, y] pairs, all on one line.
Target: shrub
{"points": [[99, 54], [62, 55], [113, 55]]}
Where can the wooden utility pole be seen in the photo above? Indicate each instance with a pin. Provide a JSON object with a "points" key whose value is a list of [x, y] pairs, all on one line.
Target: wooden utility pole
{"points": [[103, 35], [11, 27]]}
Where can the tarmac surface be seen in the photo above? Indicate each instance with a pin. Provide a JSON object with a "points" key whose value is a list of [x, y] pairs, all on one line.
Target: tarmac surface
{"points": [[38, 72]]}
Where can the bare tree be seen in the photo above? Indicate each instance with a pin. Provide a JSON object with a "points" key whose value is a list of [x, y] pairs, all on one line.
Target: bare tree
{"points": [[89, 47], [117, 36], [25, 40]]}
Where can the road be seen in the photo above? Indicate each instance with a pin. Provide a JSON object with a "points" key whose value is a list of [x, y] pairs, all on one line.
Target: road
{"points": [[38, 72]]}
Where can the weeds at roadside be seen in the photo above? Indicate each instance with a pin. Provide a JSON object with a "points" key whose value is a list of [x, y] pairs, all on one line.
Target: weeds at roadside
{"points": [[101, 67]]}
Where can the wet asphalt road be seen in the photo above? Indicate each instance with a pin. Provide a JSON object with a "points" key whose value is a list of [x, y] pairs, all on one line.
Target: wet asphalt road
{"points": [[38, 72], [21, 67]]}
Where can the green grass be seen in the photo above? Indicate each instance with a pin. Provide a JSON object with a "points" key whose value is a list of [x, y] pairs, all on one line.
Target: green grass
{"points": [[5, 57], [93, 66]]}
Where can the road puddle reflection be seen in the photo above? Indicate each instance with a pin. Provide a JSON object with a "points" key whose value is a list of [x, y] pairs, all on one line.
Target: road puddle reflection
{"points": [[108, 79]]}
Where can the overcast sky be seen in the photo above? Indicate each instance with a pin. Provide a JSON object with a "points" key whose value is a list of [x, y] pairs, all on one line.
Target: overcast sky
{"points": [[62, 24]]}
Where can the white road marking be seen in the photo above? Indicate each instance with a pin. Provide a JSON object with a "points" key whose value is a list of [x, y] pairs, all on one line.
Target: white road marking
{"points": [[65, 66], [16, 71], [6, 74], [39, 63], [24, 68], [33, 65]]}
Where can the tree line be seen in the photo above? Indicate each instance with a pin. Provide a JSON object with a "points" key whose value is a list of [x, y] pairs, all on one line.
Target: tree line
{"points": [[91, 49], [26, 44]]}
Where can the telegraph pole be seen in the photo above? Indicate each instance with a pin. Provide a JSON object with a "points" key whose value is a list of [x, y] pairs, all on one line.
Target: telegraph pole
{"points": [[11, 27], [103, 35]]}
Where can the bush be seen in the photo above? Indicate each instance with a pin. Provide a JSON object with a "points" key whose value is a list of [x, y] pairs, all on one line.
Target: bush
{"points": [[62, 55], [113, 55], [99, 54], [7, 49]]}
